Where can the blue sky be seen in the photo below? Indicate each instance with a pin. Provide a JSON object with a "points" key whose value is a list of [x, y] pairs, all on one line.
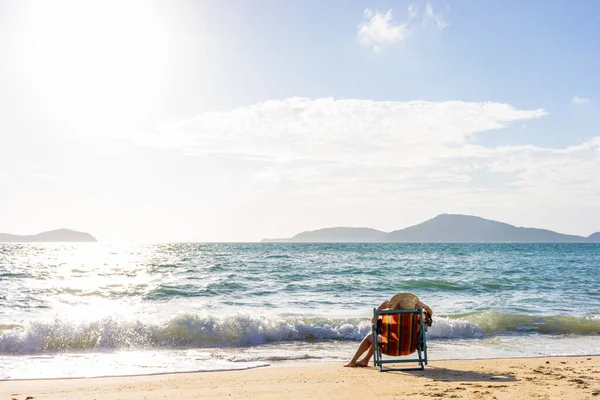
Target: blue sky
{"points": [[237, 120], [532, 54]]}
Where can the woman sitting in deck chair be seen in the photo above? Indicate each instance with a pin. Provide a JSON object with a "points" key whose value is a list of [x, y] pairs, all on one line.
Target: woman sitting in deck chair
{"points": [[401, 301]]}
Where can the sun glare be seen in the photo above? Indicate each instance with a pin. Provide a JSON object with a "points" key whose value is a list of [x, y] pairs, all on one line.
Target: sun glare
{"points": [[108, 56]]}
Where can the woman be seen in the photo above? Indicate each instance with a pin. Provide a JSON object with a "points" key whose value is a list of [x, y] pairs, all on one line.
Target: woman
{"points": [[401, 301]]}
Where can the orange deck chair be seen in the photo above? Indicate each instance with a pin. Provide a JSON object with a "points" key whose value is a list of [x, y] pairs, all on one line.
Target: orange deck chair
{"points": [[398, 333]]}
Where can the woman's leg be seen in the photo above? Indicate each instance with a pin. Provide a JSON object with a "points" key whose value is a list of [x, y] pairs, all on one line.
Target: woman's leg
{"points": [[364, 346], [365, 360]]}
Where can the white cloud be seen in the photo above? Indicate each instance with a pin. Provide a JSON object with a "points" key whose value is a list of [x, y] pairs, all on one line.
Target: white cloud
{"points": [[378, 30], [431, 16], [346, 130], [579, 100], [413, 11]]}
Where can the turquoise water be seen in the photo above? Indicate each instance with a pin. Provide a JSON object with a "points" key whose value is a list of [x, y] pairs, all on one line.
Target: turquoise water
{"points": [[106, 309]]}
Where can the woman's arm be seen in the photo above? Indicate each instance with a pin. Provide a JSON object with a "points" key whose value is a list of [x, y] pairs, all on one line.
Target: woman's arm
{"points": [[425, 307], [429, 314], [383, 306]]}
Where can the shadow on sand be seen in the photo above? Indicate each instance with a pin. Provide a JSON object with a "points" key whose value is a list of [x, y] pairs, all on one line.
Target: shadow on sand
{"points": [[451, 375]]}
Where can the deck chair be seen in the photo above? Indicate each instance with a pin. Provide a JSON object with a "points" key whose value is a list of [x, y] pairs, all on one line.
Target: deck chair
{"points": [[398, 333]]}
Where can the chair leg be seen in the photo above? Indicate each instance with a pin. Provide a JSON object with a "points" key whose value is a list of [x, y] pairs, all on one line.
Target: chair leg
{"points": [[375, 357]]}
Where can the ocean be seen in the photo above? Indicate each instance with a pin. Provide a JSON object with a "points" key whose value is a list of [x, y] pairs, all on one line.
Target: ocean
{"points": [[98, 309]]}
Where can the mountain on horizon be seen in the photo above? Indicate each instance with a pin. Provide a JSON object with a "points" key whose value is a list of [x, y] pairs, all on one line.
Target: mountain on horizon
{"points": [[342, 234], [594, 237], [58, 235], [444, 228]]}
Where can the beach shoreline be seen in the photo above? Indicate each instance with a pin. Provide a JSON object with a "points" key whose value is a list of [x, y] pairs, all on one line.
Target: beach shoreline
{"points": [[544, 377]]}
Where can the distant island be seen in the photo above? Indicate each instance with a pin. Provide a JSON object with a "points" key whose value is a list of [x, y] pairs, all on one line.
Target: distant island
{"points": [[445, 228], [59, 235]]}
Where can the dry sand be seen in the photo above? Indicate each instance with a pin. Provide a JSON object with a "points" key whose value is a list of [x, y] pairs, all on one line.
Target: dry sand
{"points": [[525, 378]]}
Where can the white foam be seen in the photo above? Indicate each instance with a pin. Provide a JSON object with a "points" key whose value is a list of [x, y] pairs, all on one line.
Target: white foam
{"points": [[194, 331], [453, 328]]}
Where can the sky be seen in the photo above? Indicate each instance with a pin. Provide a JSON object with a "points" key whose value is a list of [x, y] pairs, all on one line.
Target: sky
{"points": [[157, 121]]}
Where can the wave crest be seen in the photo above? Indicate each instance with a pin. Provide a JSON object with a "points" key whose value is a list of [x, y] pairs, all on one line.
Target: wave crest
{"points": [[191, 331], [492, 322], [194, 331]]}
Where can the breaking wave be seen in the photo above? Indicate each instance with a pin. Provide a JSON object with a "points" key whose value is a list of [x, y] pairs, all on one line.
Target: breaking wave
{"points": [[193, 331], [492, 322]]}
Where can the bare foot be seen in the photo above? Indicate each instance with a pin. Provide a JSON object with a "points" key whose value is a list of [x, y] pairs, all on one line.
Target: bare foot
{"points": [[351, 364], [362, 363]]}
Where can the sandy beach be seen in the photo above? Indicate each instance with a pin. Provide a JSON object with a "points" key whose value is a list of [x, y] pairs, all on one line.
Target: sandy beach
{"points": [[541, 378]]}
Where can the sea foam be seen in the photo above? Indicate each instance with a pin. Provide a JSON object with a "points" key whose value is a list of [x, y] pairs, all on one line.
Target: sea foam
{"points": [[244, 330], [194, 331]]}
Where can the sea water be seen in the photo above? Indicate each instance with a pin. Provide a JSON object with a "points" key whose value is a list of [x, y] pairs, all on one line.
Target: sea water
{"points": [[74, 310]]}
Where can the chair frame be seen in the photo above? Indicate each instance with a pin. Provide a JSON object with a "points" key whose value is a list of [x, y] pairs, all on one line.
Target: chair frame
{"points": [[378, 357]]}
